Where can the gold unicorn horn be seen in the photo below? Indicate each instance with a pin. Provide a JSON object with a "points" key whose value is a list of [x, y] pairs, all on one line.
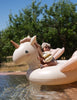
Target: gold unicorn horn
{"points": [[15, 44]]}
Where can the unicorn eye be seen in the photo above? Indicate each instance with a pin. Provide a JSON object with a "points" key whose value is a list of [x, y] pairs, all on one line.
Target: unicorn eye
{"points": [[26, 51]]}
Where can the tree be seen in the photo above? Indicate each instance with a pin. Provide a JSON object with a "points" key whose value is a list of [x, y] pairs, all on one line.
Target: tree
{"points": [[62, 16], [57, 26]]}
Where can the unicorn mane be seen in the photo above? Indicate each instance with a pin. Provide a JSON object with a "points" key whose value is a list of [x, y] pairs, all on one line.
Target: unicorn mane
{"points": [[27, 52]]}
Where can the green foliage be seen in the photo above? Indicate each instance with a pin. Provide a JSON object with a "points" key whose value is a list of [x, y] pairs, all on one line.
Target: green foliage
{"points": [[56, 24]]}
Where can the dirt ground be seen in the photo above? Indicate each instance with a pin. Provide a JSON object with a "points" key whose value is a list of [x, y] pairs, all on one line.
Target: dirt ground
{"points": [[11, 67]]}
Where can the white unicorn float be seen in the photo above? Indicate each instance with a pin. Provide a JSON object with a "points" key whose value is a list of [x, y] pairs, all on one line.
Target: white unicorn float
{"points": [[63, 73]]}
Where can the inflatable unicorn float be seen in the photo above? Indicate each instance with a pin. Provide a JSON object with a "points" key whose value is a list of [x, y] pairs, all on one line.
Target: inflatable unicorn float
{"points": [[63, 73]]}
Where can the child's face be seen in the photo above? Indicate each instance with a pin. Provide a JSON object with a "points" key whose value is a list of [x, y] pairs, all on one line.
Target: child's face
{"points": [[46, 48]]}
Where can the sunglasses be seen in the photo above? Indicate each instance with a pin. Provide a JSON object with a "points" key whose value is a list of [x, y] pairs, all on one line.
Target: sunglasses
{"points": [[47, 47]]}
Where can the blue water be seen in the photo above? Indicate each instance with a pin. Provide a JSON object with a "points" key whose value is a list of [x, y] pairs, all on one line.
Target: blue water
{"points": [[13, 87], [17, 87]]}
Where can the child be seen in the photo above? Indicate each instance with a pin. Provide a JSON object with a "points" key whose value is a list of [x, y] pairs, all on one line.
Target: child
{"points": [[47, 59]]}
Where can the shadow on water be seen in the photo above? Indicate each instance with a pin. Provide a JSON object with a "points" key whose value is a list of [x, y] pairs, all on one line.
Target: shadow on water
{"points": [[13, 87]]}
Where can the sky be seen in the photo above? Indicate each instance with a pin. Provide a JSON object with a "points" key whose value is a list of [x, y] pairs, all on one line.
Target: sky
{"points": [[13, 6]]}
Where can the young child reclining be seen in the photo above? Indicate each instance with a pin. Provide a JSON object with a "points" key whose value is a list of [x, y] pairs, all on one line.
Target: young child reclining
{"points": [[46, 59]]}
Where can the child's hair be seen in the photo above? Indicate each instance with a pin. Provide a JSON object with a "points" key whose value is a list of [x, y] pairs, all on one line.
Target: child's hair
{"points": [[44, 44]]}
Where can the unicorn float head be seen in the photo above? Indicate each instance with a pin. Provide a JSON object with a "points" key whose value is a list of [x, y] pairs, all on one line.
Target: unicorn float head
{"points": [[27, 52]]}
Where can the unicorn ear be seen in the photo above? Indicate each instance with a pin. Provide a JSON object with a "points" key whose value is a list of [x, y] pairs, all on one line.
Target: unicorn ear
{"points": [[33, 40]]}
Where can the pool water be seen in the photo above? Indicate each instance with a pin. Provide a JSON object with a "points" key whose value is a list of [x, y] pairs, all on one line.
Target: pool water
{"points": [[13, 87], [17, 87]]}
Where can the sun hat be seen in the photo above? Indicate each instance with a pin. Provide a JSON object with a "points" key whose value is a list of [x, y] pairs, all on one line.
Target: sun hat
{"points": [[44, 44]]}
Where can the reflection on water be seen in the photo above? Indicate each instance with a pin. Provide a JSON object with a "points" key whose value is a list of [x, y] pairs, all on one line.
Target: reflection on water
{"points": [[12, 87], [18, 88]]}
